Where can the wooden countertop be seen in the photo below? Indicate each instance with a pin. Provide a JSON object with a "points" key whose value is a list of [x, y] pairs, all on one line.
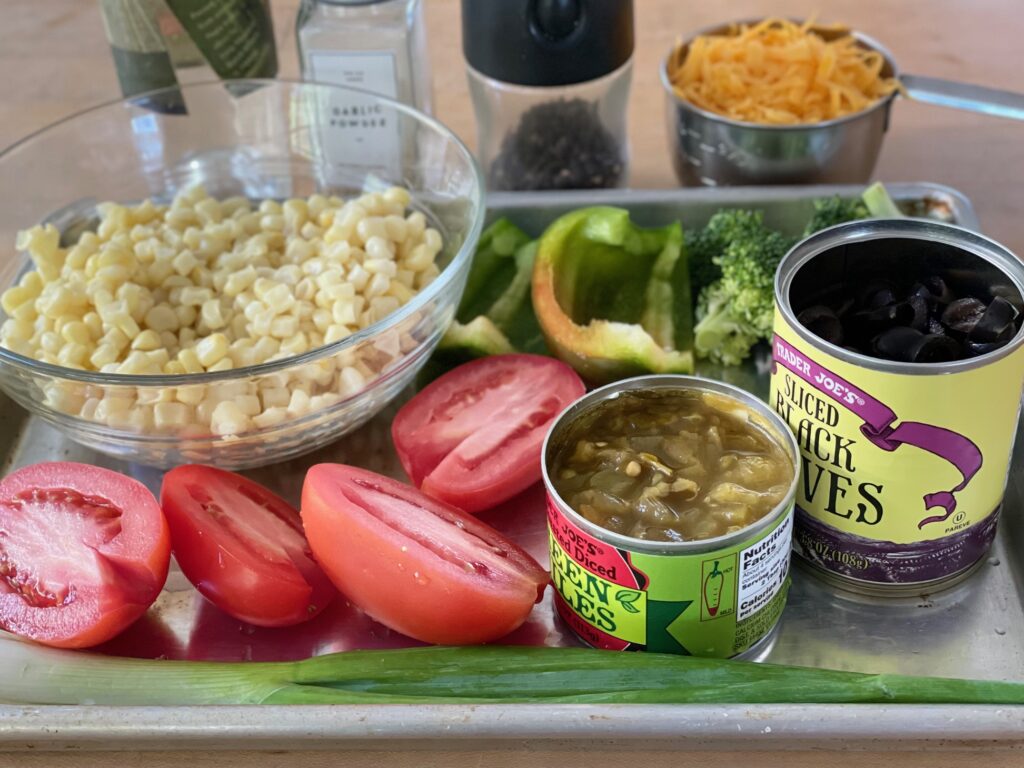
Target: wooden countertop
{"points": [[55, 60]]}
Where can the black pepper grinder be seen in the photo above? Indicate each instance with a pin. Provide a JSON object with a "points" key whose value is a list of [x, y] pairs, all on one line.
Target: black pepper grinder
{"points": [[550, 81]]}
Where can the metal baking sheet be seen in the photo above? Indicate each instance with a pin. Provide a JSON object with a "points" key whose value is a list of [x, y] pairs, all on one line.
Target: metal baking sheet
{"points": [[973, 630]]}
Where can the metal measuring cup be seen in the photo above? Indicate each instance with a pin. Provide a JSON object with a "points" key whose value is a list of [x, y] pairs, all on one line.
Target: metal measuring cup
{"points": [[714, 150]]}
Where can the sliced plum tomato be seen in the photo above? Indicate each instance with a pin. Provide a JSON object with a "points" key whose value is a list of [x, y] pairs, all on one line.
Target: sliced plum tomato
{"points": [[84, 551], [242, 546], [473, 437], [416, 564]]}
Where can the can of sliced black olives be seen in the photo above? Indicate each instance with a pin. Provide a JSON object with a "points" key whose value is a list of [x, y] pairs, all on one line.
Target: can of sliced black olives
{"points": [[670, 517], [898, 363]]}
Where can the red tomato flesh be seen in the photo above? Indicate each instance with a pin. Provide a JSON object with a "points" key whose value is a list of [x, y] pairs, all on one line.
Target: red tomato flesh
{"points": [[473, 437], [413, 563], [242, 546], [84, 551]]}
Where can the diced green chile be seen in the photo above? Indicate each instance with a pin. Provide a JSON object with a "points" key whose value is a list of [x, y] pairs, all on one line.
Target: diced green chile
{"points": [[669, 466]]}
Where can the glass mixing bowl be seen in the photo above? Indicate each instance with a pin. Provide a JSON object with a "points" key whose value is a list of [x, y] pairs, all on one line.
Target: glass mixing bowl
{"points": [[260, 139]]}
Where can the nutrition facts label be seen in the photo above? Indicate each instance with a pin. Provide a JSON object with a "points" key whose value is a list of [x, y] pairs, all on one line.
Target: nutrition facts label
{"points": [[763, 569]]}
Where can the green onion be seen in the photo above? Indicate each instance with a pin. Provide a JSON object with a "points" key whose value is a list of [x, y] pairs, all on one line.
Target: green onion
{"points": [[485, 674]]}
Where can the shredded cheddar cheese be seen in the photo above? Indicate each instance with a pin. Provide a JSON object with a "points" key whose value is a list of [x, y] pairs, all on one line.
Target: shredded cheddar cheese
{"points": [[778, 72]]}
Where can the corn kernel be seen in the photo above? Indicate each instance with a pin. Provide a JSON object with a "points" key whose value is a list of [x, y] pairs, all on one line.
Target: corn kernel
{"points": [[212, 315], [190, 361], [192, 296], [162, 317], [372, 226], [146, 341], [16, 330], [186, 315], [224, 364], [295, 345], [103, 355], [240, 281], [279, 298], [351, 381], [275, 397], [299, 403], [249, 404], [73, 355], [171, 415], [336, 333], [270, 418], [192, 394], [228, 419], [212, 349], [264, 348], [184, 263], [284, 326]]}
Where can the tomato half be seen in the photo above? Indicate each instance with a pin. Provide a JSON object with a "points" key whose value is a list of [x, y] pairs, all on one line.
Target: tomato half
{"points": [[242, 546], [473, 437], [84, 551], [413, 563]]}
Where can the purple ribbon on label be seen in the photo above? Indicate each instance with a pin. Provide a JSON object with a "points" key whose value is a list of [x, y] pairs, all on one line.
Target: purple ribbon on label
{"points": [[878, 425]]}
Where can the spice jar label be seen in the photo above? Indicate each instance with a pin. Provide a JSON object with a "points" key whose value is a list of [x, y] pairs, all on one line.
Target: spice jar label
{"points": [[358, 131]]}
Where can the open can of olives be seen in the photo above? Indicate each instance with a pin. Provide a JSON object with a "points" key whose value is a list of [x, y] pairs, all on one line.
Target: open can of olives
{"points": [[670, 516], [898, 364]]}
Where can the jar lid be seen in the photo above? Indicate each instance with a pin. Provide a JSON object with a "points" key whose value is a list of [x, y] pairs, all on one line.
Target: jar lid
{"points": [[547, 42]]}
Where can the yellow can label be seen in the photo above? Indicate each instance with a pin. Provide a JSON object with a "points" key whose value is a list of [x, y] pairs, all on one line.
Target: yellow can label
{"points": [[901, 474]]}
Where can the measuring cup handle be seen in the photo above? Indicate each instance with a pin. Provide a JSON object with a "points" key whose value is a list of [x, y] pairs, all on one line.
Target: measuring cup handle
{"points": [[972, 98]]}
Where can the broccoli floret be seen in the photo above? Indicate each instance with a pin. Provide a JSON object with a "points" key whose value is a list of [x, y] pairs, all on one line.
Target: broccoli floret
{"points": [[748, 274], [829, 211], [704, 246], [738, 310], [875, 202], [721, 336], [701, 249]]}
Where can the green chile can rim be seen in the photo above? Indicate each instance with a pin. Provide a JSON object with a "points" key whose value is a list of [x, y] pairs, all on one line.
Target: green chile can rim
{"points": [[801, 254], [779, 431]]}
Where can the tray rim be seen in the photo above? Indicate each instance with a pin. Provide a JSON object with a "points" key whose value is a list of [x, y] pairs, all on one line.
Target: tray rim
{"points": [[691, 726], [494, 726], [966, 216]]}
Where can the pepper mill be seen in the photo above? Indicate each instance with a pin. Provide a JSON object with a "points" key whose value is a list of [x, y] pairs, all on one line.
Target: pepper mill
{"points": [[549, 80]]}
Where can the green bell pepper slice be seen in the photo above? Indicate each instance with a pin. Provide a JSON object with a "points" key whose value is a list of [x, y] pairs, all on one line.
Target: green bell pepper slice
{"points": [[612, 298], [496, 315]]}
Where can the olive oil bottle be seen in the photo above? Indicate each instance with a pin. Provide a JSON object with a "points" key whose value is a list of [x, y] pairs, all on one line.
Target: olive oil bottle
{"points": [[163, 43]]}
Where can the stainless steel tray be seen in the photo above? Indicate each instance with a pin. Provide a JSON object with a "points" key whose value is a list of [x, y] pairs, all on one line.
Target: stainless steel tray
{"points": [[974, 630]]}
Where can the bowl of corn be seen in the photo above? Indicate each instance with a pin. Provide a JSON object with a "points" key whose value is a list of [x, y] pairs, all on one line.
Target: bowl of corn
{"points": [[229, 273]]}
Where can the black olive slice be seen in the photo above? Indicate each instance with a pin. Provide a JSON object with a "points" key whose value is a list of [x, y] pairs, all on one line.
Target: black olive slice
{"points": [[920, 307], [935, 348], [975, 348], [822, 322], [868, 323], [844, 307], [1009, 293], [963, 314], [876, 293], [899, 343], [938, 289], [997, 319]]}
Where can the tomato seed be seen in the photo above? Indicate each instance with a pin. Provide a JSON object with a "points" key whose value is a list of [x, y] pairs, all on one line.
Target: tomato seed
{"points": [[27, 587]]}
